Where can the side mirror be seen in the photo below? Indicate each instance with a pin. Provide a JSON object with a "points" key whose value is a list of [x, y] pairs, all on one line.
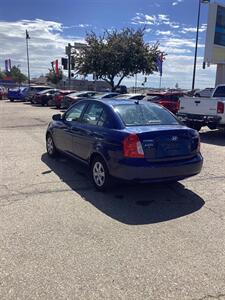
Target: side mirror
{"points": [[57, 117]]}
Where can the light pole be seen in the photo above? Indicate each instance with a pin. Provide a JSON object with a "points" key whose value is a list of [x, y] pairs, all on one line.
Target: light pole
{"points": [[28, 63], [196, 41]]}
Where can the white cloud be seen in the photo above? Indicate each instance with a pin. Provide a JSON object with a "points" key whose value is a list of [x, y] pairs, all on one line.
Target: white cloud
{"points": [[176, 2], [46, 44], [160, 19], [180, 43], [161, 32], [202, 28]]}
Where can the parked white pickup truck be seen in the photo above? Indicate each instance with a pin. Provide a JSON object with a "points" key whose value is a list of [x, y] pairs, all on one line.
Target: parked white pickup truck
{"points": [[197, 112]]}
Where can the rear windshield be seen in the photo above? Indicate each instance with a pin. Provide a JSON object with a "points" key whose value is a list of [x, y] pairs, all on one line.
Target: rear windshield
{"points": [[143, 114]]}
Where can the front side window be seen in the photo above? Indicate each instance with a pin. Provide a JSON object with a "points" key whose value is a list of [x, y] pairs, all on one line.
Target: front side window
{"points": [[75, 112]]}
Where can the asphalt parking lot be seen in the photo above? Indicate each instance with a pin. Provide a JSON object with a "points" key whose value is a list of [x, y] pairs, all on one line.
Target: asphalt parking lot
{"points": [[61, 239]]}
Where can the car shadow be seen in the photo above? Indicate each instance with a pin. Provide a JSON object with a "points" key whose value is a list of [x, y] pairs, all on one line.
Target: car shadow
{"points": [[213, 137], [133, 204]]}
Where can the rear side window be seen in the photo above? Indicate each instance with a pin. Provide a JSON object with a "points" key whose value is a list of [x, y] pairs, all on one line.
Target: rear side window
{"points": [[220, 92], [144, 114], [92, 114], [75, 112]]}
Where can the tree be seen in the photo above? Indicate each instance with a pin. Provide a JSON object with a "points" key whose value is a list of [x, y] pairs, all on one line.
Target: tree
{"points": [[2, 75], [16, 74], [117, 54], [53, 77]]}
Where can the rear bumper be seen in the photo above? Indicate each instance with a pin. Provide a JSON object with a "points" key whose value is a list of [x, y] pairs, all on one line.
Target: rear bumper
{"points": [[201, 119], [130, 169]]}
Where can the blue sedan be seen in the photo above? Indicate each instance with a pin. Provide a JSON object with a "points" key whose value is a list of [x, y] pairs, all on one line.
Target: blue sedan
{"points": [[126, 139]]}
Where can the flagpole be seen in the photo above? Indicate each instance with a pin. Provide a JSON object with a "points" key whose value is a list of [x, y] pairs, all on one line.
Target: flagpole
{"points": [[28, 62]]}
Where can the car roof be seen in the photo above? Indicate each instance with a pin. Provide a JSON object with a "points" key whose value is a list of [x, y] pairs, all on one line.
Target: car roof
{"points": [[129, 95]]}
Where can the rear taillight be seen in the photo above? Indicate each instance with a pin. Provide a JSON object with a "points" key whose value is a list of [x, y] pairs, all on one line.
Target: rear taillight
{"points": [[132, 147], [220, 107]]}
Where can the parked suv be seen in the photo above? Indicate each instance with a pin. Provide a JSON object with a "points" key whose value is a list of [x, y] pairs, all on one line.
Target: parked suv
{"points": [[33, 90]]}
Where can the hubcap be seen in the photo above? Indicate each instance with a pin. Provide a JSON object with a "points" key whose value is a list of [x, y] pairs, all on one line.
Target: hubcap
{"points": [[50, 146], [99, 174]]}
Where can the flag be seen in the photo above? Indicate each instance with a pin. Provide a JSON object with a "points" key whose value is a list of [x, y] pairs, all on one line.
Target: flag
{"points": [[56, 67], [27, 35], [159, 63], [8, 65]]}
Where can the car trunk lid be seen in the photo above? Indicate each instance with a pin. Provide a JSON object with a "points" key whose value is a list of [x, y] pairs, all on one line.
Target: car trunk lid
{"points": [[167, 143]]}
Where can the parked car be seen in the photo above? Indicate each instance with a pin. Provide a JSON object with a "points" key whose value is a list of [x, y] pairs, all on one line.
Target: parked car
{"points": [[75, 97], [44, 96], [33, 90], [169, 100], [131, 140], [130, 96], [58, 97], [3, 92], [108, 95], [18, 93], [207, 92]]}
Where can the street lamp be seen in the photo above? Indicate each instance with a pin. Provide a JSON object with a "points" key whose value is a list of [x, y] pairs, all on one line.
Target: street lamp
{"points": [[28, 63], [196, 41]]}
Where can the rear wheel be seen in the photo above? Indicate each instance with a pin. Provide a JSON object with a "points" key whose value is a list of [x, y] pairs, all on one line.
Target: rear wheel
{"points": [[100, 174], [195, 126], [50, 146]]}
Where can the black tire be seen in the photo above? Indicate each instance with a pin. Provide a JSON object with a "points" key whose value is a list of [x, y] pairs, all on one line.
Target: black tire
{"points": [[50, 146], [12, 100], [197, 127], [100, 174]]}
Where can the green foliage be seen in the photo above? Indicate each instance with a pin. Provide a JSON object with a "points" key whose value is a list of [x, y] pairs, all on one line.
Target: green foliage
{"points": [[117, 54], [52, 76], [16, 74], [2, 75]]}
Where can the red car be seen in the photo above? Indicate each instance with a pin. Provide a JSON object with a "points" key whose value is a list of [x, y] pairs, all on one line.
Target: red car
{"points": [[169, 100], [58, 97], [3, 92]]}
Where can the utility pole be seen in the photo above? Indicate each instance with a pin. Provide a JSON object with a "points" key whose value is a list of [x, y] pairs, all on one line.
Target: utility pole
{"points": [[135, 84], [196, 41], [69, 64], [28, 63]]}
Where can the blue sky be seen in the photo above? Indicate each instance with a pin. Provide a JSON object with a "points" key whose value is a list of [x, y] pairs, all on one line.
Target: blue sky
{"points": [[52, 24]]}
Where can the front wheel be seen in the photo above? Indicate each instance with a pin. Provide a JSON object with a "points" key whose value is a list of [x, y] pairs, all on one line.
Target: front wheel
{"points": [[100, 174], [50, 146]]}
